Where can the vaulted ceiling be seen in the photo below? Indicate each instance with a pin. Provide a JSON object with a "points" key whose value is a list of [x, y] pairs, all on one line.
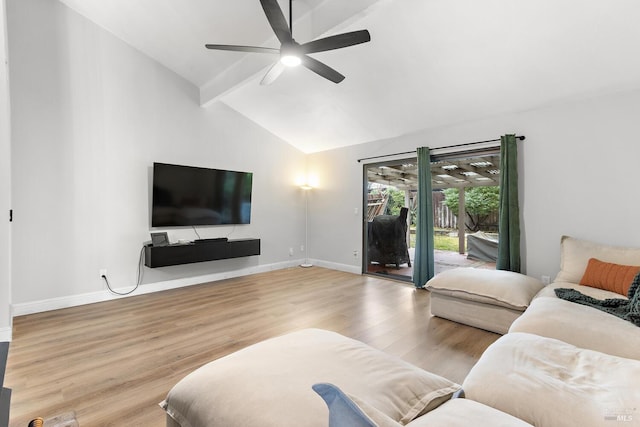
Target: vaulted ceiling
{"points": [[430, 63]]}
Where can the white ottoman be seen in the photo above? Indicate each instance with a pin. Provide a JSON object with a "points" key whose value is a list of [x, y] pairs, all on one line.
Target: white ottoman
{"points": [[485, 299], [269, 384]]}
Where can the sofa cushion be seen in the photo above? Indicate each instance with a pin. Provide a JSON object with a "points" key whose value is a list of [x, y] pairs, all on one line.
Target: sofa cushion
{"points": [[581, 326], [549, 383], [497, 287], [609, 276], [550, 291], [466, 413], [576, 253], [268, 384]]}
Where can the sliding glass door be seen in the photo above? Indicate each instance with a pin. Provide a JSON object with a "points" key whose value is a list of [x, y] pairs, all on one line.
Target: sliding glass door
{"points": [[465, 194], [390, 190]]}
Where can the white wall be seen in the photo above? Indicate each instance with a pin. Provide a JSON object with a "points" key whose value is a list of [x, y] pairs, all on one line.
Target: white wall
{"points": [[335, 223], [89, 117], [5, 187], [578, 176]]}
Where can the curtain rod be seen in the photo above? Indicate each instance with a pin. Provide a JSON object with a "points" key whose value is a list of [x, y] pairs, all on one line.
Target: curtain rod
{"points": [[520, 137]]}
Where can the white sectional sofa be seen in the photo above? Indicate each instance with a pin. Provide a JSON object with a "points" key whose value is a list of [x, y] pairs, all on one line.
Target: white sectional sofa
{"points": [[563, 363], [560, 364], [577, 324]]}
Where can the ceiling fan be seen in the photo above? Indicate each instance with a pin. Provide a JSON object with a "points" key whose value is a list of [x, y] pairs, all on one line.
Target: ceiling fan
{"points": [[291, 52]]}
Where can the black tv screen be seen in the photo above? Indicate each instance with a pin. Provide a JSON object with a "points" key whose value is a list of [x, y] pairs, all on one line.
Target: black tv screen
{"points": [[189, 196]]}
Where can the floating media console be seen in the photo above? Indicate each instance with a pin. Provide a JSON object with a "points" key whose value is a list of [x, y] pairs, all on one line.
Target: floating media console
{"points": [[200, 251]]}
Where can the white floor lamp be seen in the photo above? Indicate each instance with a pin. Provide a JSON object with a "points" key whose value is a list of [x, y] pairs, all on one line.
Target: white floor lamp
{"points": [[306, 188]]}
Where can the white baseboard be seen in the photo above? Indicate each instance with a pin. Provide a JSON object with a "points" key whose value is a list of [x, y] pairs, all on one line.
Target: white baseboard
{"points": [[335, 266], [5, 334], [93, 297]]}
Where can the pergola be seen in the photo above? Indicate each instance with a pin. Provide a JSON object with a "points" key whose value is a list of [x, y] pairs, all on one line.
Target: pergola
{"points": [[459, 173]]}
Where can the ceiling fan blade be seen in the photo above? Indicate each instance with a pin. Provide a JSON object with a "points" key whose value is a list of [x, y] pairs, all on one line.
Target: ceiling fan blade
{"points": [[273, 73], [336, 42], [322, 69], [277, 20], [236, 48]]}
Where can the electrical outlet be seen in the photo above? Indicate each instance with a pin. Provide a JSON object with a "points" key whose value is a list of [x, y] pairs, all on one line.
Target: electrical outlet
{"points": [[355, 254], [290, 251], [301, 248], [545, 280], [103, 272]]}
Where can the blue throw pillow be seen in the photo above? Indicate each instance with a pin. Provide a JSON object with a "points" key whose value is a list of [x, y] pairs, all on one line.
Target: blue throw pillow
{"points": [[343, 412]]}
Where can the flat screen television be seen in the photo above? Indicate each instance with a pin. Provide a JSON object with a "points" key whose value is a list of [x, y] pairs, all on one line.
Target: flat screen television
{"points": [[189, 196]]}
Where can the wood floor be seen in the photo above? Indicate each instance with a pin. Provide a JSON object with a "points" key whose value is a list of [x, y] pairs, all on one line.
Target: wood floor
{"points": [[112, 362]]}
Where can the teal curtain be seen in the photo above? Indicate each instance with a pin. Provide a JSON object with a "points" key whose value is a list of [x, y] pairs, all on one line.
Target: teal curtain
{"points": [[423, 264], [509, 213]]}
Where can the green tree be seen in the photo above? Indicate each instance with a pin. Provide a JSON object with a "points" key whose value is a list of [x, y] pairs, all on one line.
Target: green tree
{"points": [[395, 202], [479, 203]]}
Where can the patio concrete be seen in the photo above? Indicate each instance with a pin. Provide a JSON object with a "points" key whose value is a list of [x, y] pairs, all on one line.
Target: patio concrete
{"points": [[444, 260]]}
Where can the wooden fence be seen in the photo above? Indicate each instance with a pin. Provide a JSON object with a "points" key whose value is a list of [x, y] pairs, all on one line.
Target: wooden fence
{"points": [[443, 217]]}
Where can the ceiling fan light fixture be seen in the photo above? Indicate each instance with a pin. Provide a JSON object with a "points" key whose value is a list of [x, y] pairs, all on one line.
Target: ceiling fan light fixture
{"points": [[290, 55], [290, 60]]}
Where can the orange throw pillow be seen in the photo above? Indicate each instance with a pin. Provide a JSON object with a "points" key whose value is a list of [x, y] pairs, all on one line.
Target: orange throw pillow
{"points": [[608, 276]]}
